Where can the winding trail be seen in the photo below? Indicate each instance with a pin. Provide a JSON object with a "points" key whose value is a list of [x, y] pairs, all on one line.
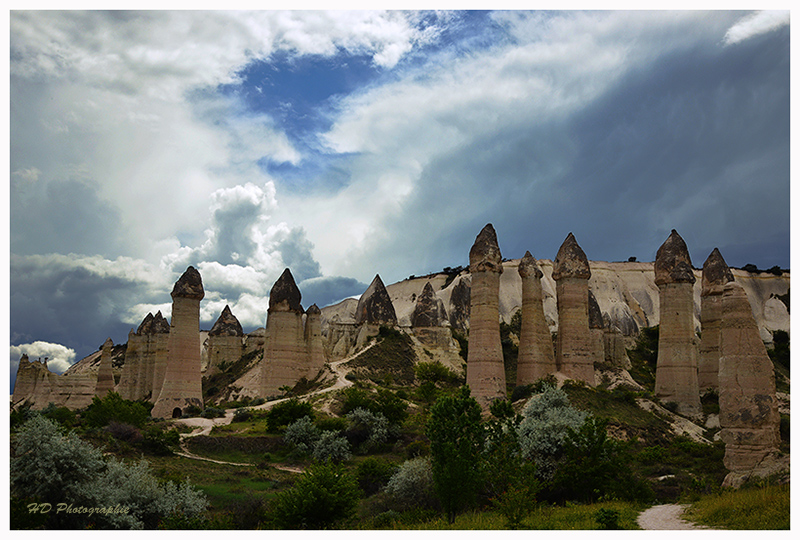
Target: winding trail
{"points": [[205, 425], [666, 517]]}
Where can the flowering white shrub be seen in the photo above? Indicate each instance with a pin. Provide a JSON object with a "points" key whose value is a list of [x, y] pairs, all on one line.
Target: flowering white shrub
{"points": [[53, 467], [412, 484], [302, 434], [376, 425], [547, 420], [331, 447]]}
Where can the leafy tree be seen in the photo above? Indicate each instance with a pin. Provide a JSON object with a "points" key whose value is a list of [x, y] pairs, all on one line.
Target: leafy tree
{"points": [[595, 466], [323, 496], [367, 430], [302, 434], [412, 484], [456, 434], [284, 413], [545, 427], [373, 474], [331, 447], [113, 407]]}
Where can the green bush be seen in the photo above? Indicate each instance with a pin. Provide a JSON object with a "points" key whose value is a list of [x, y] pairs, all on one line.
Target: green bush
{"points": [[323, 496], [412, 485], [53, 467], [607, 519], [373, 474], [212, 412], [384, 401], [303, 435], [62, 415], [331, 447], [284, 413], [113, 407], [242, 414]]}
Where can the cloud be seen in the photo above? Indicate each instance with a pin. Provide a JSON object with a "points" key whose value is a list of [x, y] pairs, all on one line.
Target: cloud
{"points": [[59, 358], [755, 24]]}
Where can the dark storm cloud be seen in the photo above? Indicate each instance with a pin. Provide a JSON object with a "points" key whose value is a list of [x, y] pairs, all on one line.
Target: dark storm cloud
{"points": [[324, 291]]}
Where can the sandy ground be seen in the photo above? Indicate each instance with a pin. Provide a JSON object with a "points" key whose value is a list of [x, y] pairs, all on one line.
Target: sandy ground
{"points": [[665, 517]]}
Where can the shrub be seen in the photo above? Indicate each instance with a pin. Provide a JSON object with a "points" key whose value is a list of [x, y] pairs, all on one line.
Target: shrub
{"points": [[124, 432], [607, 519], [53, 467], [158, 442], [516, 503], [367, 430], [62, 415], [546, 422], [331, 423], [286, 412], [331, 447], [212, 412], [384, 401], [436, 373], [242, 414], [373, 474], [412, 484], [113, 407], [323, 496], [303, 435]]}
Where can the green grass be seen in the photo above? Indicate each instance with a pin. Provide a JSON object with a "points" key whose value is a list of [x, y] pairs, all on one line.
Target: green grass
{"points": [[391, 359], [748, 508], [571, 517]]}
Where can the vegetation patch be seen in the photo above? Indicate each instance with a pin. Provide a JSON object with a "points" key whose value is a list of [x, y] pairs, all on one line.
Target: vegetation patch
{"points": [[391, 360], [765, 507], [215, 385]]}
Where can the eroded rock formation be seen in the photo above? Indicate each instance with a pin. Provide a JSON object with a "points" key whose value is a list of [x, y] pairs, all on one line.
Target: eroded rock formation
{"points": [[105, 377], [291, 350], [485, 369], [748, 411], [37, 386], [225, 341], [313, 339], [716, 275], [676, 368], [375, 307], [458, 309], [182, 385], [576, 346], [536, 356], [427, 319]]}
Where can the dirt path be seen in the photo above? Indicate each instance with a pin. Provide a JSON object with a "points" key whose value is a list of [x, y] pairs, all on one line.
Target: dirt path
{"points": [[665, 517], [205, 425]]}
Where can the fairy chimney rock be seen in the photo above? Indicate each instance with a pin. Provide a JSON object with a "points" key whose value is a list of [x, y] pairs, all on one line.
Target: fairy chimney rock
{"points": [[484, 256], [375, 307], [227, 325], [716, 275], [429, 310], [673, 263], [571, 261], [190, 285], [748, 411], [485, 368], [105, 376], [576, 345], [182, 383], [536, 356], [284, 295], [676, 367]]}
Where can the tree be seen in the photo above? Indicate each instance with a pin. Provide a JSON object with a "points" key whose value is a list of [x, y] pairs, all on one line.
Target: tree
{"points": [[324, 495], [456, 434]]}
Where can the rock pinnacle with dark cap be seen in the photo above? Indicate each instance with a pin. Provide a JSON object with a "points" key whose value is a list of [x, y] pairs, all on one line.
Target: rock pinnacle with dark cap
{"points": [[227, 325], [571, 261], [190, 285], [716, 272], [528, 266], [485, 252], [673, 263], [428, 311], [375, 306], [285, 296]]}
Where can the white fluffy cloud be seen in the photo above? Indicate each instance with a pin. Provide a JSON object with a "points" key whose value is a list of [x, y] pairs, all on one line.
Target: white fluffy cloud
{"points": [[754, 24], [59, 358]]}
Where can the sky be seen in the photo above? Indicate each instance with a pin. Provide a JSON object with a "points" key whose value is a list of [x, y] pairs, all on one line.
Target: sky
{"points": [[346, 144]]}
